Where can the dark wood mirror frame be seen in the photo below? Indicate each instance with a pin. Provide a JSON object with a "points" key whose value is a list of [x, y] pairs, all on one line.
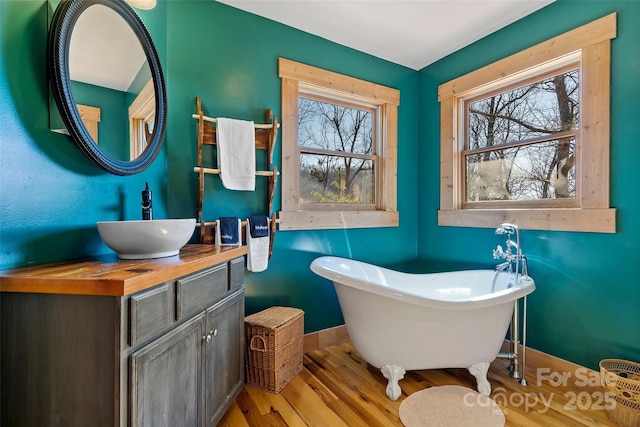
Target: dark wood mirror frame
{"points": [[64, 19]]}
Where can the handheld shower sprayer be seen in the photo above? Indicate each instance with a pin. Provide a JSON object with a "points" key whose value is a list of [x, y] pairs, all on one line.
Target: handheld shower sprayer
{"points": [[507, 228], [512, 244]]}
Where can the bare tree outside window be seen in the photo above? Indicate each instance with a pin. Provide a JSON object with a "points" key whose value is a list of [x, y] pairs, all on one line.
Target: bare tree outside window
{"points": [[521, 142], [337, 152], [526, 139]]}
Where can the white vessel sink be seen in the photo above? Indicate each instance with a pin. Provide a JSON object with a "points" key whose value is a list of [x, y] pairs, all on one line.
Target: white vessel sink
{"points": [[146, 239]]}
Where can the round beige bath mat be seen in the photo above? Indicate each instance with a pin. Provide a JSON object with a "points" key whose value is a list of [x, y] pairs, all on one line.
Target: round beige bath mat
{"points": [[450, 405]]}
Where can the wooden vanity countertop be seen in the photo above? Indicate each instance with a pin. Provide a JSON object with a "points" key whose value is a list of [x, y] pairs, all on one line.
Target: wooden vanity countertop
{"points": [[108, 275]]}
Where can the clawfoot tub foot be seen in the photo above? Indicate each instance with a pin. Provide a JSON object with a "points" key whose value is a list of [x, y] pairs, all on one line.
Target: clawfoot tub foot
{"points": [[479, 370], [394, 374]]}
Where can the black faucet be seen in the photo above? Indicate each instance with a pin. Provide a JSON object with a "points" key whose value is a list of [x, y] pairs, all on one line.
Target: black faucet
{"points": [[147, 210]]}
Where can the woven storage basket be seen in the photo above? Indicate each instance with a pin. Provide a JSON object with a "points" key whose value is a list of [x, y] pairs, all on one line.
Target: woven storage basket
{"points": [[622, 379], [274, 347]]}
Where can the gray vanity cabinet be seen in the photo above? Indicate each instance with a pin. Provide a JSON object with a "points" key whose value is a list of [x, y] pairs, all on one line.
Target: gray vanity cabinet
{"points": [[169, 354], [202, 357], [166, 379], [224, 356]]}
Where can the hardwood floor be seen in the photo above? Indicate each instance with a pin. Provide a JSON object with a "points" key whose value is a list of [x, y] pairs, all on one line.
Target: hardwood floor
{"points": [[338, 388]]}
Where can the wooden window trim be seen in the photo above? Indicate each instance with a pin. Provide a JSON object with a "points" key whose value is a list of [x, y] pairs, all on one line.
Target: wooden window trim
{"points": [[140, 110], [91, 118], [294, 75], [593, 40]]}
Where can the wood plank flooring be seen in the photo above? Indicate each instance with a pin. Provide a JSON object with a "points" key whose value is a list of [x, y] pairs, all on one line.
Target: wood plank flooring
{"points": [[337, 388]]}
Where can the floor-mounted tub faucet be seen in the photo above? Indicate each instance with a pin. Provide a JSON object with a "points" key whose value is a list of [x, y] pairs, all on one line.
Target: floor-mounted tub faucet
{"points": [[512, 265], [509, 255]]}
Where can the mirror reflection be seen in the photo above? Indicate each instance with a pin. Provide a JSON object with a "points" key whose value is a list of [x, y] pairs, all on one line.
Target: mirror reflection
{"points": [[111, 83], [107, 83]]}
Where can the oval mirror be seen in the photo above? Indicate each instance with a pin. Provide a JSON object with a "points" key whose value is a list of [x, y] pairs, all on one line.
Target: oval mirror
{"points": [[107, 82]]}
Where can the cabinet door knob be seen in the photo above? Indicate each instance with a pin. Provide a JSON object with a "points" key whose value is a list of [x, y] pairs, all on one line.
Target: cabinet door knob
{"points": [[214, 332], [206, 338]]}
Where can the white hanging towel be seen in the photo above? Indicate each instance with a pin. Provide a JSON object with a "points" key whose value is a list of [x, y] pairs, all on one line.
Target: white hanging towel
{"points": [[257, 243], [236, 153]]}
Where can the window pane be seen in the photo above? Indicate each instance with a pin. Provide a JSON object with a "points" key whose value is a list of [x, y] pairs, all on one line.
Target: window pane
{"points": [[327, 126], [335, 179], [535, 172], [534, 110]]}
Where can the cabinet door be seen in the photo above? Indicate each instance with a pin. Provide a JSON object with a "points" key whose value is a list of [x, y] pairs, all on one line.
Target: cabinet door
{"points": [[166, 379], [224, 355]]}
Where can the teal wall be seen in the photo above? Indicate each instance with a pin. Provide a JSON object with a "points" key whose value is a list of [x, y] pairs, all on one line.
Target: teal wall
{"points": [[229, 58], [51, 196], [587, 303], [114, 116], [585, 307]]}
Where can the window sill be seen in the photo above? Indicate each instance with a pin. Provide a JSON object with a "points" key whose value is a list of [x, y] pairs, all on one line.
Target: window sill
{"points": [[322, 220], [585, 220]]}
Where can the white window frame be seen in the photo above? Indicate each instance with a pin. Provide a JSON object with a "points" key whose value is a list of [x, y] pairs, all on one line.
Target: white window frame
{"points": [[592, 44], [299, 78]]}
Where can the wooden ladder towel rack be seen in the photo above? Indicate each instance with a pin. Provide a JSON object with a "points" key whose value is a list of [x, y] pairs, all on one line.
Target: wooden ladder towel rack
{"points": [[265, 139]]}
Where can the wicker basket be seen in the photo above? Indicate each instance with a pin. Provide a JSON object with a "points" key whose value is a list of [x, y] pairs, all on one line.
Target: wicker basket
{"points": [[622, 379], [274, 347]]}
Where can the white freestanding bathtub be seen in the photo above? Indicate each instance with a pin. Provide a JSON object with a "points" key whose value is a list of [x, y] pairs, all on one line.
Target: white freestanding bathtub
{"points": [[401, 321]]}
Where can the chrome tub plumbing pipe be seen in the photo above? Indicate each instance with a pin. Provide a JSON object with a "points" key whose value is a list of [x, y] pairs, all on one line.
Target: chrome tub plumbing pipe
{"points": [[523, 380]]}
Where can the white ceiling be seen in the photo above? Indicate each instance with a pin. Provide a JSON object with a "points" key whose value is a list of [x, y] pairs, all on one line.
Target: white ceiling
{"points": [[413, 33], [104, 50]]}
